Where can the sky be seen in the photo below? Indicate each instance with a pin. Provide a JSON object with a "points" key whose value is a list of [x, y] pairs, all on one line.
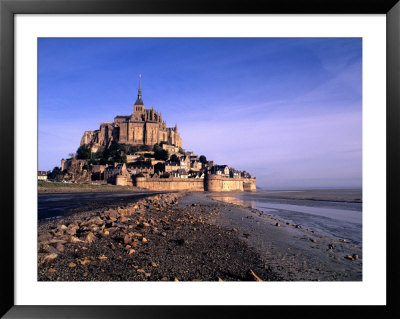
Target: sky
{"points": [[287, 110]]}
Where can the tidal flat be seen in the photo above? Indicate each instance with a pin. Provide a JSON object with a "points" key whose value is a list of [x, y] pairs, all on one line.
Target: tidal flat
{"points": [[188, 237]]}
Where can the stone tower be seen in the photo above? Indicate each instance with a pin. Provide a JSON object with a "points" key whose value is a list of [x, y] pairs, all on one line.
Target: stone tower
{"points": [[138, 107]]}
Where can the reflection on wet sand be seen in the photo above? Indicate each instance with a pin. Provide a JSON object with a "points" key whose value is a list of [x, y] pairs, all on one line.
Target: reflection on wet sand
{"points": [[235, 201]]}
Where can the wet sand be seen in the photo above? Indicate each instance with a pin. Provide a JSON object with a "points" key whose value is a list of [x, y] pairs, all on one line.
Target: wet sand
{"points": [[190, 238], [332, 195]]}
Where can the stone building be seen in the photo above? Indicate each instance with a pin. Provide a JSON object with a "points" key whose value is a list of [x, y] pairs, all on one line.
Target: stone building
{"points": [[42, 176], [117, 175], [142, 127]]}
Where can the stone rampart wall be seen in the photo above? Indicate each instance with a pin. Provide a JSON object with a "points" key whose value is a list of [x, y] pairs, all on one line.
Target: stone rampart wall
{"points": [[170, 184], [211, 183]]}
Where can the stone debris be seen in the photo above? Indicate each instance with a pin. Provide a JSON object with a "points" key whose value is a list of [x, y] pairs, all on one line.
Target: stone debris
{"points": [[254, 276], [107, 241]]}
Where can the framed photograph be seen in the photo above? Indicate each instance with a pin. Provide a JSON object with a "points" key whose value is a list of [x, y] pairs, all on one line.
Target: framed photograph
{"points": [[167, 159]]}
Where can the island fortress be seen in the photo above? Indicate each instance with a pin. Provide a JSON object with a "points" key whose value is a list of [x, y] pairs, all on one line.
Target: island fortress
{"points": [[140, 150], [142, 127]]}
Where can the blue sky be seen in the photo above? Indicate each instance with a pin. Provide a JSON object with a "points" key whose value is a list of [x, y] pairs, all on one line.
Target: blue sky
{"points": [[289, 111]]}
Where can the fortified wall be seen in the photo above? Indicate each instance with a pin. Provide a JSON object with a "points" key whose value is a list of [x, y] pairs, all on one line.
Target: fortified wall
{"points": [[211, 183], [215, 183], [170, 184]]}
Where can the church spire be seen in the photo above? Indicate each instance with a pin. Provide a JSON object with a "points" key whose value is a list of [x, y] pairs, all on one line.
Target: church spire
{"points": [[139, 100]]}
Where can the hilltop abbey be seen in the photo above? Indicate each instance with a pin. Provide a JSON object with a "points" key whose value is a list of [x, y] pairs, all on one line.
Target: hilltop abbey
{"points": [[142, 127], [154, 159]]}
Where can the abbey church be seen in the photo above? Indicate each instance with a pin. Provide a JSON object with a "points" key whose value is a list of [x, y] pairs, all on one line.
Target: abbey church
{"points": [[142, 127]]}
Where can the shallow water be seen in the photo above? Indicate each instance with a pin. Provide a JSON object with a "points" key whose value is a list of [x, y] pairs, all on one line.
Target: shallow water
{"points": [[339, 220]]}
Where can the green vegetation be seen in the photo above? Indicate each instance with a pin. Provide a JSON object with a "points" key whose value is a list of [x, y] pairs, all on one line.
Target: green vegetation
{"points": [[203, 159], [53, 187], [159, 153], [159, 168], [83, 153], [174, 158], [55, 173]]}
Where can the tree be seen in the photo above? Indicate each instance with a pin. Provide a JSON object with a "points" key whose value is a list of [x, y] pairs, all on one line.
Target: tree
{"points": [[55, 173], [83, 153], [161, 155], [174, 158], [159, 168], [203, 159]]}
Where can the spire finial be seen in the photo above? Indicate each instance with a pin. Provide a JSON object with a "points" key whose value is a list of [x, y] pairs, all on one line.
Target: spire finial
{"points": [[139, 100]]}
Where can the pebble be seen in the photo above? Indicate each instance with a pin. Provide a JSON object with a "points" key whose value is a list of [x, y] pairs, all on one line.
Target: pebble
{"points": [[71, 265], [234, 230], [278, 225]]}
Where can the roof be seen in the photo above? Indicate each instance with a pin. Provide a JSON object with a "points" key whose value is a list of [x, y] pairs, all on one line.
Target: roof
{"points": [[139, 101]]}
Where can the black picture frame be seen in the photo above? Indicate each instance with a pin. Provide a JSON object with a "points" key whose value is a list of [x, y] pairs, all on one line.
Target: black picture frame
{"points": [[8, 8]]}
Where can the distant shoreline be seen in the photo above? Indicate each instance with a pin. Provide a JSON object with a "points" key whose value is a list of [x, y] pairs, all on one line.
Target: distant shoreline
{"points": [[351, 195]]}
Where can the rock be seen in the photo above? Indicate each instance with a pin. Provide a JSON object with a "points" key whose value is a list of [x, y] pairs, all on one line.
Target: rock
{"points": [[127, 239], [63, 227], [71, 265], [71, 231], [234, 230], [48, 259], [124, 219], [153, 264], [146, 224], [44, 236], [106, 233], [102, 257], [131, 251], [313, 240], [52, 270], [48, 249], [73, 239], [141, 270], [144, 240], [219, 279], [278, 225], [147, 274], [349, 257], [298, 226], [176, 279], [164, 279], [331, 246], [60, 248], [85, 261], [90, 237], [164, 234], [355, 256], [254, 276]]}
